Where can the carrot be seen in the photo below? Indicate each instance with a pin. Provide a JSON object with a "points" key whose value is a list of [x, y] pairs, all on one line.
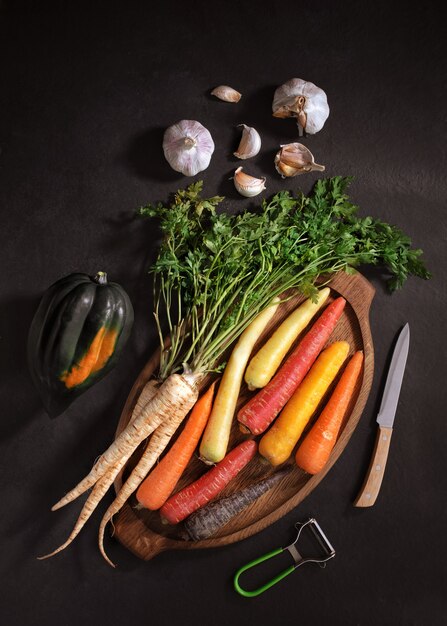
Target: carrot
{"points": [[208, 486], [277, 444], [102, 485], [267, 360], [176, 396], [217, 432], [261, 410], [206, 521], [314, 452], [158, 486]]}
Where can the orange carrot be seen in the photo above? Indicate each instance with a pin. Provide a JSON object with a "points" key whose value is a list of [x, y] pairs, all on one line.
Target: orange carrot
{"points": [[158, 486], [313, 453]]}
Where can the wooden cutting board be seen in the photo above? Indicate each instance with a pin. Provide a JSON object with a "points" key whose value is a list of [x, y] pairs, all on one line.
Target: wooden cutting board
{"points": [[142, 532]]}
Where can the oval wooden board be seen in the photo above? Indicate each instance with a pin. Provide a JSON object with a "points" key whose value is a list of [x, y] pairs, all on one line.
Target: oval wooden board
{"points": [[142, 532]]}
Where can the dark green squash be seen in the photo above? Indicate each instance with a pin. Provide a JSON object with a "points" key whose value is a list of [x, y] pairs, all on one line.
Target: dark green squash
{"points": [[76, 337]]}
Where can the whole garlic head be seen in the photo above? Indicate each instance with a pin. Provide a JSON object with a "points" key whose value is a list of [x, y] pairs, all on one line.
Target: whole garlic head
{"points": [[188, 146], [303, 100]]}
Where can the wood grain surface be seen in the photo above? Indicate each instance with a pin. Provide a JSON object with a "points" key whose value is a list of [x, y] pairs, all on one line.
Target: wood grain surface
{"points": [[142, 532]]}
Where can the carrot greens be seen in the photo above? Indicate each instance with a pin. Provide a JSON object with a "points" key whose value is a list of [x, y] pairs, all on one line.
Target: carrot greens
{"points": [[216, 271]]}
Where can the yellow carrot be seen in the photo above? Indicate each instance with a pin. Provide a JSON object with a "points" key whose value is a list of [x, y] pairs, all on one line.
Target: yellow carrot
{"points": [[266, 361], [217, 433], [278, 443]]}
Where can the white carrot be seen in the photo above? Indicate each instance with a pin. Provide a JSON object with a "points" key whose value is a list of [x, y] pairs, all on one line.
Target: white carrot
{"points": [[157, 444], [217, 432], [176, 395], [266, 361], [102, 485]]}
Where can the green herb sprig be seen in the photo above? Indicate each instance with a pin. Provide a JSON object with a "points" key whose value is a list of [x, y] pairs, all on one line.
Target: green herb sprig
{"points": [[215, 272]]}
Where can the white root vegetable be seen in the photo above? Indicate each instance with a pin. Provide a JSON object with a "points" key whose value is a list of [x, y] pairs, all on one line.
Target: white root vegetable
{"points": [[102, 485], [177, 395], [157, 444], [99, 490]]}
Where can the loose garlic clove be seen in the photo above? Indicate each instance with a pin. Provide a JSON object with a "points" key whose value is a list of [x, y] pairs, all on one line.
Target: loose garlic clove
{"points": [[294, 159], [303, 100], [188, 146], [250, 143], [226, 93], [247, 185]]}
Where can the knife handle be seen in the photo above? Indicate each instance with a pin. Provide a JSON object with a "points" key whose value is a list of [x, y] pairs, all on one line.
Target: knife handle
{"points": [[371, 487]]}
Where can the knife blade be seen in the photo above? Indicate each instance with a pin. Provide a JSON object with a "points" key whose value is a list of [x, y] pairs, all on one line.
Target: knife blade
{"points": [[385, 420]]}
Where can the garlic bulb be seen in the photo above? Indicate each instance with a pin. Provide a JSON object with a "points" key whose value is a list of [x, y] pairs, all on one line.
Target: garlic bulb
{"points": [[247, 185], [294, 159], [226, 93], [303, 100], [188, 146], [250, 143]]}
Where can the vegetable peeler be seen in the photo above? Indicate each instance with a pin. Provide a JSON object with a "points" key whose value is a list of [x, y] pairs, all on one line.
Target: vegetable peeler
{"points": [[316, 532]]}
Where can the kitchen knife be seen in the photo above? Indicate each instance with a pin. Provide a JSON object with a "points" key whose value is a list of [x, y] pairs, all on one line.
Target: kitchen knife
{"points": [[385, 419]]}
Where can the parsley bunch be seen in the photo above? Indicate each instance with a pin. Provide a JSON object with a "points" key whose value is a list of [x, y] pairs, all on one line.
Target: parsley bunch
{"points": [[215, 272]]}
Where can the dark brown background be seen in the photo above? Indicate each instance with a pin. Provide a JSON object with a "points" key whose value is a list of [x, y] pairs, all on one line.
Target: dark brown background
{"points": [[86, 93]]}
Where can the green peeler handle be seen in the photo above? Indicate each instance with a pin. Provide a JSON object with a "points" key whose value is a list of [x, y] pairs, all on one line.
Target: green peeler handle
{"points": [[276, 579]]}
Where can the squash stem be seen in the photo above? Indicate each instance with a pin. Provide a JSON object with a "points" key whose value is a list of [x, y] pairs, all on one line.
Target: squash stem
{"points": [[101, 278]]}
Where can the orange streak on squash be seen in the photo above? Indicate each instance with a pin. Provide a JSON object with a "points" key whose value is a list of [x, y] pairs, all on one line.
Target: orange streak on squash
{"points": [[107, 348], [97, 356]]}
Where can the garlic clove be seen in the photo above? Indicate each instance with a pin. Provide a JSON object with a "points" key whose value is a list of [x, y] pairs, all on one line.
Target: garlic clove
{"points": [[247, 185], [250, 143], [285, 170], [303, 100], [226, 93], [188, 147], [294, 159]]}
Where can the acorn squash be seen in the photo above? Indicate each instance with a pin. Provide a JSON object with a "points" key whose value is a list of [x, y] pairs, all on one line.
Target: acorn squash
{"points": [[76, 337]]}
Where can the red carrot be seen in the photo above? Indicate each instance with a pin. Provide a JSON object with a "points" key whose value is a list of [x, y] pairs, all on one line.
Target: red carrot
{"points": [[314, 452], [262, 409], [208, 486]]}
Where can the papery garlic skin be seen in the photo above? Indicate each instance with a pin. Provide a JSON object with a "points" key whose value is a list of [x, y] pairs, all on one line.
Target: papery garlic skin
{"points": [[247, 185], [294, 159], [188, 147], [250, 143], [226, 93], [303, 100]]}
